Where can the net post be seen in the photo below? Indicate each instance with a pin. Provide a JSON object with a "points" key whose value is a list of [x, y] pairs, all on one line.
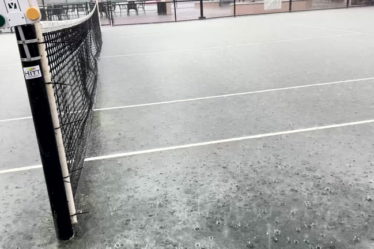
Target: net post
{"points": [[56, 124], [28, 45]]}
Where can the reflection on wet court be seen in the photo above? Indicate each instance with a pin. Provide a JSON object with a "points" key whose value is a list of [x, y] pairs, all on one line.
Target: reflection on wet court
{"points": [[250, 132]]}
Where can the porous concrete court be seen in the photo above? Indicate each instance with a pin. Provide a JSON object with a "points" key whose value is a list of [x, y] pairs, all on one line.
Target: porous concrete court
{"points": [[251, 132]]}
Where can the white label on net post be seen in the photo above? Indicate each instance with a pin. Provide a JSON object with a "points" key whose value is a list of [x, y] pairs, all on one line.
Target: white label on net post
{"points": [[32, 72]]}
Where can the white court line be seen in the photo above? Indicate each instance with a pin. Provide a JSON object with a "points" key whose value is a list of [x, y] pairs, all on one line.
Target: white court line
{"points": [[14, 119], [229, 140], [224, 46], [213, 142], [214, 96], [233, 94], [7, 171]]}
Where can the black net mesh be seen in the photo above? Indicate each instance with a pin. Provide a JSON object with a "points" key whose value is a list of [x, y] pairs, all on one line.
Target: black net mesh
{"points": [[72, 54]]}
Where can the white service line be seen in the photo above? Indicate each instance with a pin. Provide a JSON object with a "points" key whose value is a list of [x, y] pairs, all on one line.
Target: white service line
{"points": [[233, 94], [213, 142], [213, 96], [228, 140]]}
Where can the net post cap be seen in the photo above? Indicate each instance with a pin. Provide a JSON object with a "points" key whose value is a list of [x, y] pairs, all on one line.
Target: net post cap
{"points": [[33, 14]]}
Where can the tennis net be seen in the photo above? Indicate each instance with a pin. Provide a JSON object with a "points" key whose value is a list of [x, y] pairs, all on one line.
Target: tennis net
{"points": [[72, 49]]}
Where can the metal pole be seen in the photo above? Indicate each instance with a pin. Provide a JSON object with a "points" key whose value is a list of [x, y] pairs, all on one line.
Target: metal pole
{"points": [[110, 12], [43, 123], [290, 6], [201, 10], [45, 12], [234, 7], [175, 10]]}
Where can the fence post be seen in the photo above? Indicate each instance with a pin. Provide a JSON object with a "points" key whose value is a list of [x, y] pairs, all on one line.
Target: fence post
{"points": [[234, 7], [201, 10], [110, 12], [175, 10]]}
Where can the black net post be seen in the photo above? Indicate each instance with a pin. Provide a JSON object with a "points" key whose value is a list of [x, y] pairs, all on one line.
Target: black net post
{"points": [[45, 131]]}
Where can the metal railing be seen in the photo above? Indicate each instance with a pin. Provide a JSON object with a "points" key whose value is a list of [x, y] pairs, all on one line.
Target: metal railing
{"points": [[125, 12]]}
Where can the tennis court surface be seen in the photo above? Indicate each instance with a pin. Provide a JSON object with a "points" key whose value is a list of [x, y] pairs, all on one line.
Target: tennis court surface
{"points": [[248, 132]]}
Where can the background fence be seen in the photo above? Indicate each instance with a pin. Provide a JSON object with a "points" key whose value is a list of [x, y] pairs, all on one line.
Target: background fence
{"points": [[123, 12]]}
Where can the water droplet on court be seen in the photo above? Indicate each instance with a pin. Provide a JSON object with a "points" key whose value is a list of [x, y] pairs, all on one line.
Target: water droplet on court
{"points": [[250, 244], [356, 239], [308, 204]]}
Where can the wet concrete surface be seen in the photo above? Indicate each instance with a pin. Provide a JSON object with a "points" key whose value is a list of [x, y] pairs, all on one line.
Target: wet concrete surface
{"points": [[155, 65], [310, 190], [306, 190], [25, 217], [199, 121], [18, 145]]}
